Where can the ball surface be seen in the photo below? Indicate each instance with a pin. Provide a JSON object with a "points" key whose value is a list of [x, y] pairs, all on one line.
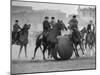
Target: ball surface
{"points": [[65, 48]]}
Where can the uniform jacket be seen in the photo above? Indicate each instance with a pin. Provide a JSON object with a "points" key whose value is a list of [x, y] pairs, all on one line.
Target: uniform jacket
{"points": [[73, 23], [46, 25], [16, 27]]}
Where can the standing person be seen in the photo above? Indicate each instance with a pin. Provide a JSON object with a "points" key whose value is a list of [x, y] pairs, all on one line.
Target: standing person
{"points": [[73, 23], [16, 29], [52, 23], [46, 25]]}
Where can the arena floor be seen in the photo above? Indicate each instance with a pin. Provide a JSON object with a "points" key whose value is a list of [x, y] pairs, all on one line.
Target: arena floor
{"points": [[27, 65], [31, 66]]}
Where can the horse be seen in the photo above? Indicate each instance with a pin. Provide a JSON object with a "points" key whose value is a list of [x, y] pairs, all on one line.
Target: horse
{"points": [[83, 33], [50, 40], [77, 40], [22, 38], [90, 40]]}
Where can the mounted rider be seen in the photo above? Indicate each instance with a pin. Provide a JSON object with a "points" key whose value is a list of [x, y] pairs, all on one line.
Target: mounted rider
{"points": [[90, 26], [16, 29], [73, 23], [73, 26], [52, 23], [46, 25]]}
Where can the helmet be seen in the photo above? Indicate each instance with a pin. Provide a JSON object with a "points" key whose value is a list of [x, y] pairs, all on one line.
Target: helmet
{"points": [[46, 17], [16, 20], [52, 17], [74, 16]]}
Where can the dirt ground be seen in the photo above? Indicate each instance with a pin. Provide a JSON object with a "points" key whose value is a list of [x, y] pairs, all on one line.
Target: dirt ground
{"points": [[27, 65], [31, 66]]}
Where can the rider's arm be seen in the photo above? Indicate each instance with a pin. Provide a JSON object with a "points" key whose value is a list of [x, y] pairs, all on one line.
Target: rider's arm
{"points": [[19, 27]]}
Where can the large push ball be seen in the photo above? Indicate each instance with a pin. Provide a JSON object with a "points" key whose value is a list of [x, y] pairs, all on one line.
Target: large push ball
{"points": [[65, 48]]}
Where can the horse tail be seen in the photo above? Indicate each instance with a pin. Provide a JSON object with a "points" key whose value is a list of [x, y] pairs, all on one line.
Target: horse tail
{"points": [[39, 40]]}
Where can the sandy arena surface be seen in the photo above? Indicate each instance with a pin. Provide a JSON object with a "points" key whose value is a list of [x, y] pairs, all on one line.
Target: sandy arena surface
{"points": [[27, 65], [31, 66]]}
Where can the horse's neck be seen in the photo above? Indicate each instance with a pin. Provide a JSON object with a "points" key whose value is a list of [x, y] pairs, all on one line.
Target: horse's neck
{"points": [[24, 31], [76, 33], [52, 34]]}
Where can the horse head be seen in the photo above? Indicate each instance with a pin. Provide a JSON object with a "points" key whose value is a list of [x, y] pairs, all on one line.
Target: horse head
{"points": [[62, 25], [27, 26]]}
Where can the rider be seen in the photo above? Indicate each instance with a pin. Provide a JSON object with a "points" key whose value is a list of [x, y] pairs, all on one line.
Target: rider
{"points": [[46, 25], [16, 28], [90, 26], [73, 23], [52, 23]]}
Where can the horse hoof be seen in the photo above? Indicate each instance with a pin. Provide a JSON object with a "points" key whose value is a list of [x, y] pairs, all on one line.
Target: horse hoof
{"points": [[83, 54], [48, 57], [77, 56], [44, 59], [32, 58]]}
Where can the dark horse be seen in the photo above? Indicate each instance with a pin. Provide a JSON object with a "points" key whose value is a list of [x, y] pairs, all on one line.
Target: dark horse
{"points": [[22, 38], [50, 40], [90, 39], [77, 40]]}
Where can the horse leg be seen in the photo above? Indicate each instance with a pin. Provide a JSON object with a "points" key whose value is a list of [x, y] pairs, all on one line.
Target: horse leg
{"points": [[45, 47], [49, 52], [75, 50], [77, 55], [40, 48], [82, 48], [90, 46], [35, 51], [21, 46], [25, 46], [85, 45], [51, 47]]}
